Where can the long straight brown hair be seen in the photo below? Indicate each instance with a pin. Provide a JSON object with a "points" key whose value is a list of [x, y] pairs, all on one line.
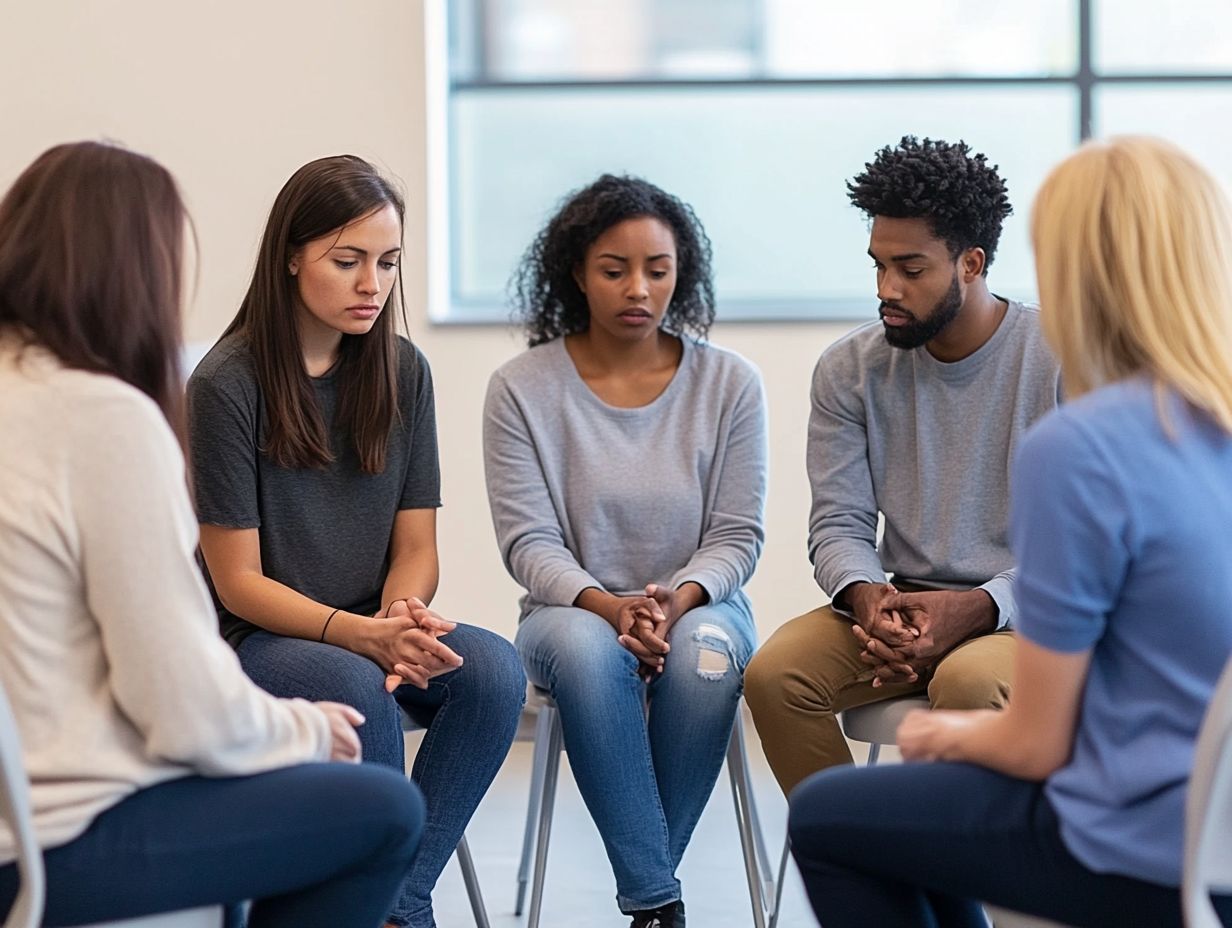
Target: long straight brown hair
{"points": [[321, 197], [91, 243]]}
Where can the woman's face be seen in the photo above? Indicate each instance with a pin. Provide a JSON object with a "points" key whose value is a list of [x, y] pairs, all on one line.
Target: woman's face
{"points": [[628, 277], [343, 278]]}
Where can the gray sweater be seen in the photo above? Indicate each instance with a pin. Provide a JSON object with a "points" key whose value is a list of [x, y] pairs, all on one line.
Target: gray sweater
{"points": [[584, 494], [929, 445]]}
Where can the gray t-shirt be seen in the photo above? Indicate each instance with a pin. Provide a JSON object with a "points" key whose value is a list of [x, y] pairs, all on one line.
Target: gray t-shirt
{"points": [[324, 532], [584, 494], [929, 445]]}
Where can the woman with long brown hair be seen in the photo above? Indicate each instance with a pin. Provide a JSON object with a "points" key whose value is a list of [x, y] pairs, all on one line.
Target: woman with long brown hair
{"points": [[314, 450], [160, 777]]}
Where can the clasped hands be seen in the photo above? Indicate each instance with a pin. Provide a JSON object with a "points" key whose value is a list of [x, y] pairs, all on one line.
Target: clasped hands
{"points": [[408, 644], [642, 626], [901, 635]]}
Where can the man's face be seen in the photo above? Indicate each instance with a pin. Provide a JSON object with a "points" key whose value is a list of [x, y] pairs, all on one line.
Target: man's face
{"points": [[917, 281]]}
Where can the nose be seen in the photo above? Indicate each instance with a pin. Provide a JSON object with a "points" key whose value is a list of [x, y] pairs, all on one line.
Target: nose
{"points": [[369, 281], [888, 289], [638, 287]]}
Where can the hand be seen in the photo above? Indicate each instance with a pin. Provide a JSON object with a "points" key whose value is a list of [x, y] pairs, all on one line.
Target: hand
{"points": [[405, 644], [937, 735], [939, 620], [639, 623], [343, 720], [655, 621], [871, 605]]}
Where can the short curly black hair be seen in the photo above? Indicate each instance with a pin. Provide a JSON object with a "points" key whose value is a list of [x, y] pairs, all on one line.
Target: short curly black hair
{"points": [[963, 199], [546, 299]]}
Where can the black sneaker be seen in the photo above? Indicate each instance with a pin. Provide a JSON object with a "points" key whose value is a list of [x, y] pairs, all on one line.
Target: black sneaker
{"points": [[665, 916]]}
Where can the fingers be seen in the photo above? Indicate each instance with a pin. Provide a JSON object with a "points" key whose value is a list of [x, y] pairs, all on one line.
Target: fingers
{"points": [[352, 715], [417, 645], [413, 674], [638, 649]]}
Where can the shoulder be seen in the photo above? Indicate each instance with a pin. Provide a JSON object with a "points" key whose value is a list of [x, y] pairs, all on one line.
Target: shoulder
{"points": [[721, 367], [1107, 424], [227, 368], [534, 367], [858, 356], [1023, 320]]}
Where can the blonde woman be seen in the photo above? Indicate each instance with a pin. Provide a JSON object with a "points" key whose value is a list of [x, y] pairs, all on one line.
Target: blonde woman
{"points": [[1069, 804]]}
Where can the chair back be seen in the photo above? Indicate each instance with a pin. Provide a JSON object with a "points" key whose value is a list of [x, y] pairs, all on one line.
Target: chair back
{"points": [[27, 908], [1208, 812]]}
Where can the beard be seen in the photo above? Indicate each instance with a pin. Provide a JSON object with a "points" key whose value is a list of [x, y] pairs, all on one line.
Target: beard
{"points": [[918, 331]]}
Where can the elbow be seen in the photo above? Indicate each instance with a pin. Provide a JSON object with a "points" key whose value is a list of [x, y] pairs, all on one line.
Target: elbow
{"points": [[1037, 761]]}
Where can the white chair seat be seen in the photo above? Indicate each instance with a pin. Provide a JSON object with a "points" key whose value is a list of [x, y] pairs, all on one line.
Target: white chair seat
{"points": [[208, 917], [877, 722]]}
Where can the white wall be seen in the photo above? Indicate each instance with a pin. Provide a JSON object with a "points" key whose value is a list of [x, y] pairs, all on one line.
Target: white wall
{"points": [[233, 96]]}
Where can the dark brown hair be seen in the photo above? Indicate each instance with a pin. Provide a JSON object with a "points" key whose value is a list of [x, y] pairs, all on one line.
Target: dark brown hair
{"points": [[91, 243], [320, 198]]}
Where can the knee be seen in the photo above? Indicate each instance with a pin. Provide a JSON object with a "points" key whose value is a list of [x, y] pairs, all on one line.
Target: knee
{"points": [[496, 675], [776, 680], [966, 687], [401, 816]]}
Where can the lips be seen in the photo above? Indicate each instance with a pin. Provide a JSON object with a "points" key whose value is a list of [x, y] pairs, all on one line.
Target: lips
{"points": [[893, 317], [635, 316], [366, 311]]}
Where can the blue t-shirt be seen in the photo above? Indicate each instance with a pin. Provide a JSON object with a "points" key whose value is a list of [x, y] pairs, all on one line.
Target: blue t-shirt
{"points": [[1121, 522]]}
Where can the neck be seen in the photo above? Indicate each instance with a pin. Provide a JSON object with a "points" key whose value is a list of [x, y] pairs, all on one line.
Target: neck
{"points": [[605, 353], [319, 345], [975, 324]]}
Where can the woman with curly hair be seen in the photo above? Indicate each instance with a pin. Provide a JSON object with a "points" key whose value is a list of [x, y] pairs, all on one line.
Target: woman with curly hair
{"points": [[626, 470], [1070, 802]]}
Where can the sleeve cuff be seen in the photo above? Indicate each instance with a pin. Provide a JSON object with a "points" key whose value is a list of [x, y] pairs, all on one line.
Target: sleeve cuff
{"points": [[1001, 589]]}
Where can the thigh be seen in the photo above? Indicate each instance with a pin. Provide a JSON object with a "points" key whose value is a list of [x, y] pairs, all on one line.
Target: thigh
{"points": [[963, 831], [197, 841], [978, 674], [566, 644], [816, 658], [710, 644], [295, 667], [491, 674]]}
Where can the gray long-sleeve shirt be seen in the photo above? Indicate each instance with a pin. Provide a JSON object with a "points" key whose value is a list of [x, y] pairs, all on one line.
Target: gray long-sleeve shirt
{"points": [[584, 494], [928, 444]]}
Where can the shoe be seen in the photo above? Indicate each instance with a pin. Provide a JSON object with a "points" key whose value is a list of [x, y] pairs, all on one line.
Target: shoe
{"points": [[665, 916]]}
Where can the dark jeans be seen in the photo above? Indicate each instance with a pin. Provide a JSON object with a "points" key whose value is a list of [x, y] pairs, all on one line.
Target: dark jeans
{"points": [[923, 844], [317, 844], [471, 715]]}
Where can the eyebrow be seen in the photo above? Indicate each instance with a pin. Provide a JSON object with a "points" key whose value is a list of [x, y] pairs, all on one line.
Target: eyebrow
{"points": [[361, 251], [911, 256], [615, 257]]}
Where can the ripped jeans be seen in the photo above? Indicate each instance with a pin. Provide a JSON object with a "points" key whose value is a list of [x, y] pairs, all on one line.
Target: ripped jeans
{"points": [[645, 757]]}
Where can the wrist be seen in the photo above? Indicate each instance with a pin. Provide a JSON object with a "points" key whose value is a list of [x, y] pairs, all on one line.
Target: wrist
{"points": [[351, 631], [983, 612]]}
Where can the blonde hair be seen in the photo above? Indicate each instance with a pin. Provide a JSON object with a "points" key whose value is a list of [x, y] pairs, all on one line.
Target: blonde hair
{"points": [[1133, 251]]}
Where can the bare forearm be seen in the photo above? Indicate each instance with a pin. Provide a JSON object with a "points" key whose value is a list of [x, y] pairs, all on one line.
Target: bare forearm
{"points": [[996, 743], [600, 602], [277, 608], [412, 575]]}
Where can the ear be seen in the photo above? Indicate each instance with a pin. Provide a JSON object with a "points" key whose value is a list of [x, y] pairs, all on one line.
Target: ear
{"points": [[971, 264], [293, 264], [579, 278]]}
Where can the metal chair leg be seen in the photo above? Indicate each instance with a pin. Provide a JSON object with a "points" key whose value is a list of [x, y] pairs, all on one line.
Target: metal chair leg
{"points": [[778, 886], [539, 765], [546, 807], [737, 770], [471, 879]]}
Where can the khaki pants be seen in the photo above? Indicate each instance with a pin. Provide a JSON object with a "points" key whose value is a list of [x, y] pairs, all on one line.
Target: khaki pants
{"points": [[810, 670]]}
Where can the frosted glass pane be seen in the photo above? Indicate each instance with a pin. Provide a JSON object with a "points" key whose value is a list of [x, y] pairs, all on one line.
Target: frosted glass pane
{"points": [[1154, 37], [764, 168], [622, 39], [1193, 116]]}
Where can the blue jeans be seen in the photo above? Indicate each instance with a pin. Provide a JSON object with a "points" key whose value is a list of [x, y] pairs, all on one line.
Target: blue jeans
{"points": [[645, 774], [316, 844], [919, 844], [471, 715]]}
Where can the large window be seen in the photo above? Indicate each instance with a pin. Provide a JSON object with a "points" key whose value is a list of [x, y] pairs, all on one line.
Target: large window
{"points": [[757, 111]]}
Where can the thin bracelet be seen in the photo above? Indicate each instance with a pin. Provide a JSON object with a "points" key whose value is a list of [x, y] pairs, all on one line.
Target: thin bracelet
{"points": [[327, 621]]}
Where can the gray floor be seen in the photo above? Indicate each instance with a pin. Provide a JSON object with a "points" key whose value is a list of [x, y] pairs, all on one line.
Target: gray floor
{"points": [[580, 891]]}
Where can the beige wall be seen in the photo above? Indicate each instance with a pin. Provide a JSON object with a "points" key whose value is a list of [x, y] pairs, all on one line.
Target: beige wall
{"points": [[233, 96]]}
